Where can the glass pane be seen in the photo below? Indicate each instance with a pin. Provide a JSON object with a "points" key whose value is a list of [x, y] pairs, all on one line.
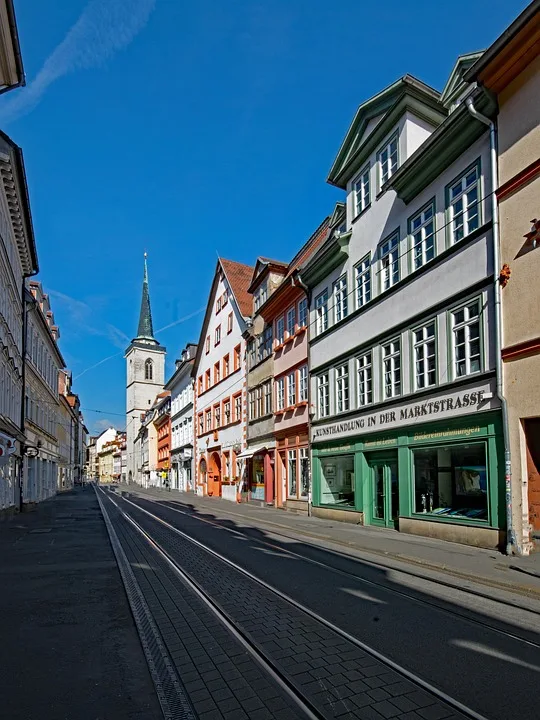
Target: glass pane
{"points": [[394, 489], [378, 492], [337, 480]]}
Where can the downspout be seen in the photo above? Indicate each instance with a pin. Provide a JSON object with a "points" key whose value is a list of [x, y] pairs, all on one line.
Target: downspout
{"points": [[23, 383], [297, 281], [511, 541]]}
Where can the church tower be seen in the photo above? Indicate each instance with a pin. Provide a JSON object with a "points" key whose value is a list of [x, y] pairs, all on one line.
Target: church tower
{"points": [[145, 364]]}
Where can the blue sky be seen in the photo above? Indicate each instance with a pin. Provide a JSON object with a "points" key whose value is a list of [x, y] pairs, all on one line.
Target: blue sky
{"points": [[188, 129]]}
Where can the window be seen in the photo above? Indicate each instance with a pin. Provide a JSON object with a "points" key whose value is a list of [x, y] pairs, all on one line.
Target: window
{"points": [[252, 405], [229, 323], [208, 418], [267, 340], [302, 313], [422, 231], [388, 160], [291, 389], [303, 390], [225, 299], [251, 353], [260, 296], [217, 335], [363, 281], [425, 368], [280, 330], [463, 205], [364, 379], [237, 357], [337, 480], [451, 481], [148, 370], [340, 299], [207, 379], [226, 366], [280, 394], [259, 401], [361, 191], [217, 373], [238, 407], [226, 411], [321, 309], [342, 388], [291, 320], [391, 369], [218, 304], [304, 472], [323, 398], [389, 262], [268, 397], [466, 339], [207, 345], [291, 473]]}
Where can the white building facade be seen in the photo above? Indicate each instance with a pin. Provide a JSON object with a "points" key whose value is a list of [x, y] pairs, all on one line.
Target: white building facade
{"points": [[220, 376], [182, 435], [406, 427]]}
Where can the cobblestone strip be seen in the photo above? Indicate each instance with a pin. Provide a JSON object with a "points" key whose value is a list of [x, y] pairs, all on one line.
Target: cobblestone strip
{"points": [[173, 699], [220, 677], [338, 677]]}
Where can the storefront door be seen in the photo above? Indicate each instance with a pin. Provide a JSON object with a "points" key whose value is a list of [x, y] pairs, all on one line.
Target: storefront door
{"points": [[384, 491]]}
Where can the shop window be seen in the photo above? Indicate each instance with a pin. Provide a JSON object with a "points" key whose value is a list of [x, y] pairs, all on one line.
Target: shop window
{"points": [[304, 472], [291, 473], [451, 481], [337, 481]]}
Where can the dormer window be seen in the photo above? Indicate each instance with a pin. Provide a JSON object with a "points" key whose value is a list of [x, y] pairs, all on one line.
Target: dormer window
{"points": [[387, 158], [260, 295]]}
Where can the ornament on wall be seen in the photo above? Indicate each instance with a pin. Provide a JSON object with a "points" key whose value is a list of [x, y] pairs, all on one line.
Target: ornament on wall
{"points": [[533, 237], [504, 275]]}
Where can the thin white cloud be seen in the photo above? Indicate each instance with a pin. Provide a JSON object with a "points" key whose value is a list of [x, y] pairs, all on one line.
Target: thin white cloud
{"points": [[103, 28]]}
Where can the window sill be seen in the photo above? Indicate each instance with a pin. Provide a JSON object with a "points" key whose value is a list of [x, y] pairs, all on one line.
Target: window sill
{"points": [[279, 346], [451, 520], [362, 212], [289, 339], [301, 330]]}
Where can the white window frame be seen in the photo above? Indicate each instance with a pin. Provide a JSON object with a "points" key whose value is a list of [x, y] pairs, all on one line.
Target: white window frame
{"points": [[291, 320], [362, 191], [362, 272], [291, 389], [321, 311], [424, 347], [391, 365], [302, 313], [303, 384], [280, 393], [364, 379], [341, 300], [259, 400], [467, 217], [303, 457], [323, 395], [387, 166], [217, 335], [422, 236], [389, 262], [468, 322], [342, 388], [280, 329], [292, 492], [268, 397]]}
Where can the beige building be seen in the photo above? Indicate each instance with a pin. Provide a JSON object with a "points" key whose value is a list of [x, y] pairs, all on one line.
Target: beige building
{"points": [[510, 69], [106, 461]]}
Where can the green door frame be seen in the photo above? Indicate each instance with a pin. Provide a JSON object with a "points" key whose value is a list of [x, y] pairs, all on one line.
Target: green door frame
{"points": [[384, 461]]}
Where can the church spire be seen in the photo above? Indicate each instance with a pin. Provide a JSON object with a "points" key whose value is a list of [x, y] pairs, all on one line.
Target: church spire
{"points": [[145, 330]]}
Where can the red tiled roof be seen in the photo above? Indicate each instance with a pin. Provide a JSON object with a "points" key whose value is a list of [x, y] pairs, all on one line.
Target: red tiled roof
{"points": [[310, 247], [239, 278]]}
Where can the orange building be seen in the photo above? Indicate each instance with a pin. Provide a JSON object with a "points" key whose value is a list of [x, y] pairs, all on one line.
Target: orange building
{"points": [[286, 310], [162, 423]]}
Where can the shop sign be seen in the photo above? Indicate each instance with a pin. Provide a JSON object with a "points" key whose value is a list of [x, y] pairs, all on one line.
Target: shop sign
{"points": [[338, 448], [380, 443], [442, 407]]}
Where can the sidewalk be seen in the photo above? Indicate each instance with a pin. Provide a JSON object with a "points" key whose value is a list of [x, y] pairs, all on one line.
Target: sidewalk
{"points": [[467, 563], [69, 649]]}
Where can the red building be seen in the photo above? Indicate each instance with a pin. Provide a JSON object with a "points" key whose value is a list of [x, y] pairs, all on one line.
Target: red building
{"points": [[162, 423]]}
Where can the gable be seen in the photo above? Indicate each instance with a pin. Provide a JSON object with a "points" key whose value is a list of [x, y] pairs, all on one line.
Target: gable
{"points": [[456, 83]]}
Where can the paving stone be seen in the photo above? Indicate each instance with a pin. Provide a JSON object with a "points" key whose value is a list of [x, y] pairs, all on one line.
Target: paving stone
{"points": [[386, 709], [435, 712]]}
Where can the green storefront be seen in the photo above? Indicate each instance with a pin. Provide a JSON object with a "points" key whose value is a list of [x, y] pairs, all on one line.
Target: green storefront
{"points": [[440, 479]]}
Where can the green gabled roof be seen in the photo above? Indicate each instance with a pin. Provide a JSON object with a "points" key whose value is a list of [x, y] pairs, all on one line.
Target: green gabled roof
{"points": [[456, 83], [388, 105]]}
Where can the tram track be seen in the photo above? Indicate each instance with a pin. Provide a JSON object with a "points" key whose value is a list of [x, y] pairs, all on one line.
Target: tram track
{"points": [[411, 596], [160, 535]]}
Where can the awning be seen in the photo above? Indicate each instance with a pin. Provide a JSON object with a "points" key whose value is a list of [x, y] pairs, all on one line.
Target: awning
{"points": [[256, 449]]}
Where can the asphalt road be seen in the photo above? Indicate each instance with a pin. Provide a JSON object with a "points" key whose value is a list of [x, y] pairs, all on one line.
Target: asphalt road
{"points": [[480, 652]]}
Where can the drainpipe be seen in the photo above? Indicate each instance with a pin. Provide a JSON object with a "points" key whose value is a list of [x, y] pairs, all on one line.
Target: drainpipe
{"points": [[511, 541], [297, 281]]}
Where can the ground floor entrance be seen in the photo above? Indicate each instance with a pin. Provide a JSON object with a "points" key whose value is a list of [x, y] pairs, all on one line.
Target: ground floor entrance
{"points": [[444, 480], [532, 439]]}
